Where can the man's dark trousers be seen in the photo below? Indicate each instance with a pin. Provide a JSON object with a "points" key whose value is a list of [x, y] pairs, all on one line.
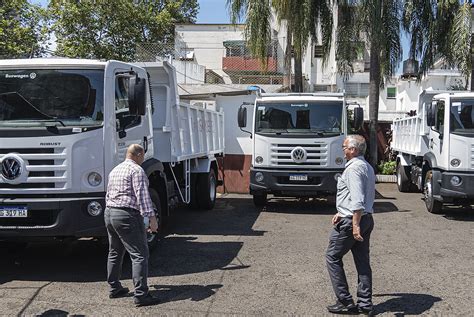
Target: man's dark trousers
{"points": [[127, 233], [341, 240]]}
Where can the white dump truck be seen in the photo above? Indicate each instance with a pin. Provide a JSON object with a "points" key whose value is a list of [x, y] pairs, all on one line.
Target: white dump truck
{"points": [[436, 149], [297, 143], [65, 123]]}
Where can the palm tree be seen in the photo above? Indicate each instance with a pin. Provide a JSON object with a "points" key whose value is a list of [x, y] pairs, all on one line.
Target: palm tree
{"points": [[440, 29], [376, 24], [305, 19]]}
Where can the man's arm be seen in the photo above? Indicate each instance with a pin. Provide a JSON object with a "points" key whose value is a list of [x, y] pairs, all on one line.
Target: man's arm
{"points": [[356, 225]]}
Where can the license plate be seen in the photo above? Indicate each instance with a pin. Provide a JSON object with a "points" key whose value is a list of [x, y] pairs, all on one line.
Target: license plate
{"points": [[298, 177], [13, 212]]}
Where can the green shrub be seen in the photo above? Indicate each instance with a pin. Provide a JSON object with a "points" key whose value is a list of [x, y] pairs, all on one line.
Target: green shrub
{"points": [[387, 168]]}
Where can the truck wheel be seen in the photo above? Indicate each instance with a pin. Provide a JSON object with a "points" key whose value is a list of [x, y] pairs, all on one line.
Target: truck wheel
{"points": [[434, 206], [206, 190], [193, 203], [152, 238], [403, 178], [260, 200]]}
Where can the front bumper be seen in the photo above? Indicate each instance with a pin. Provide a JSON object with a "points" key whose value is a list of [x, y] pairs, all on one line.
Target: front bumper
{"points": [[464, 191], [278, 183], [53, 217]]}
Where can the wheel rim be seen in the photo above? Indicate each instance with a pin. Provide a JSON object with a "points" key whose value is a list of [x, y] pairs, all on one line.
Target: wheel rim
{"points": [[212, 190], [428, 192], [399, 181]]}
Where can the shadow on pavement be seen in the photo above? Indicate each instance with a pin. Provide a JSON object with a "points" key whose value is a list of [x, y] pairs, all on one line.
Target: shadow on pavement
{"points": [[406, 303], [172, 293], [85, 260], [185, 255], [458, 213], [316, 206], [230, 217]]}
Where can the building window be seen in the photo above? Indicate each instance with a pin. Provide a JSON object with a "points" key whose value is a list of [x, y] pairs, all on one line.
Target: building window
{"points": [[357, 90], [391, 92], [318, 51]]}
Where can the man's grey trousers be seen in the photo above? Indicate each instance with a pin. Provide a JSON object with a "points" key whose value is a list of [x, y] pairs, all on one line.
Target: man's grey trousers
{"points": [[127, 233], [341, 241]]}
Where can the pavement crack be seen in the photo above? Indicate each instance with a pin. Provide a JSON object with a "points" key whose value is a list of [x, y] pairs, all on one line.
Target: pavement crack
{"points": [[32, 299]]}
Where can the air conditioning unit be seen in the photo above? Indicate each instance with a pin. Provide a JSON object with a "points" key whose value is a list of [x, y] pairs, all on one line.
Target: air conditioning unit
{"points": [[205, 104]]}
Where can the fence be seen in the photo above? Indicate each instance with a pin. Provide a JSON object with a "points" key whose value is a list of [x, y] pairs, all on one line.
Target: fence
{"points": [[227, 63]]}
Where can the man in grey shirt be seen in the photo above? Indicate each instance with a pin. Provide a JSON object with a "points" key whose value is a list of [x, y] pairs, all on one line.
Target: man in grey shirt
{"points": [[353, 224]]}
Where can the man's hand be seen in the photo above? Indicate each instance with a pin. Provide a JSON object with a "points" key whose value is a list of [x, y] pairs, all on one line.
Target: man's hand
{"points": [[356, 232], [153, 224], [335, 219]]}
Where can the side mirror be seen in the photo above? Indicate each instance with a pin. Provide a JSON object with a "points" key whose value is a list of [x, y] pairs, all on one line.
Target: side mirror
{"points": [[242, 117], [137, 96], [431, 114], [358, 118]]}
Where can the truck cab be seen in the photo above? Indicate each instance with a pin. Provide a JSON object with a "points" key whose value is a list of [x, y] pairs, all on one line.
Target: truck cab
{"points": [[436, 149], [296, 144]]}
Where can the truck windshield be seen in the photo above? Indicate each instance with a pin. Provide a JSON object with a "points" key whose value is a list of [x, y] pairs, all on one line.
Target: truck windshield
{"points": [[462, 116], [41, 97], [318, 118]]}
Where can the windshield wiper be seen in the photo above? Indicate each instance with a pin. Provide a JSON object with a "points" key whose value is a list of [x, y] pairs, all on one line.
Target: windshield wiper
{"points": [[25, 109]]}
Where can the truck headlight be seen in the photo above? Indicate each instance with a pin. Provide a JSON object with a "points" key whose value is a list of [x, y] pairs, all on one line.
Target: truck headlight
{"points": [[456, 180], [339, 160], [259, 160], [94, 179], [259, 177], [455, 162]]}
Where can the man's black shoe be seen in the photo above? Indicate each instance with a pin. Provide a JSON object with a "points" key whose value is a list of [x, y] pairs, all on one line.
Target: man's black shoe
{"points": [[340, 308], [146, 300], [119, 293], [367, 311]]}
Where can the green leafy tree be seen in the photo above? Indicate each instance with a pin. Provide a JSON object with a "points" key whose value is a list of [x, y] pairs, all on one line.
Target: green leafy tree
{"points": [[440, 29], [112, 29], [304, 19], [22, 29], [377, 24]]}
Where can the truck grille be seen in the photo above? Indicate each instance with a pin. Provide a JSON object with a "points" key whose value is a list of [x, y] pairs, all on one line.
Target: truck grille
{"points": [[45, 167], [316, 154], [472, 155]]}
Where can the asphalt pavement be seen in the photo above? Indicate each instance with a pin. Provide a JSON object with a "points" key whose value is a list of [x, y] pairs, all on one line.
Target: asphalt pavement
{"points": [[241, 260]]}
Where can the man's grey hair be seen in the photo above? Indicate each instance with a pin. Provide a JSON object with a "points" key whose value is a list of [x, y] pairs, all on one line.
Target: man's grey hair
{"points": [[135, 150], [358, 142]]}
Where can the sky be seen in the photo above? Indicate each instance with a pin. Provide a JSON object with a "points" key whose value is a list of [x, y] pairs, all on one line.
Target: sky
{"points": [[213, 11]]}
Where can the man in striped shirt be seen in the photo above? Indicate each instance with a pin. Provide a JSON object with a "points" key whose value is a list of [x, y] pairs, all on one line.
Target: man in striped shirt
{"points": [[127, 202]]}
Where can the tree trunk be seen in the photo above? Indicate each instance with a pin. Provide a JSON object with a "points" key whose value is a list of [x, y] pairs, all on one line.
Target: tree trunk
{"points": [[298, 72], [374, 93], [287, 63]]}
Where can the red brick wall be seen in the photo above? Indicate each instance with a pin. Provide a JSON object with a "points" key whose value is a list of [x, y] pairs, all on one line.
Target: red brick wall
{"points": [[234, 170]]}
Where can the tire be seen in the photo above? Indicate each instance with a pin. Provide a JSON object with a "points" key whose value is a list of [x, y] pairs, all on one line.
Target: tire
{"points": [[403, 178], [194, 204], [206, 190], [432, 205], [152, 238], [260, 200]]}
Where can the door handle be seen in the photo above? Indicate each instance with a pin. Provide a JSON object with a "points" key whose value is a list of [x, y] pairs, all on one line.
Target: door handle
{"points": [[145, 144]]}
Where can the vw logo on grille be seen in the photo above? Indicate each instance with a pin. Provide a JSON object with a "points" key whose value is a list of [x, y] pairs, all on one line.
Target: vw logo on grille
{"points": [[298, 154], [11, 168]]}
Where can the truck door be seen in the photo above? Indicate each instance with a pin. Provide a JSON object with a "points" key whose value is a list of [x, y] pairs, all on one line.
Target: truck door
{"points": [[439, 139], [130, 128]]}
